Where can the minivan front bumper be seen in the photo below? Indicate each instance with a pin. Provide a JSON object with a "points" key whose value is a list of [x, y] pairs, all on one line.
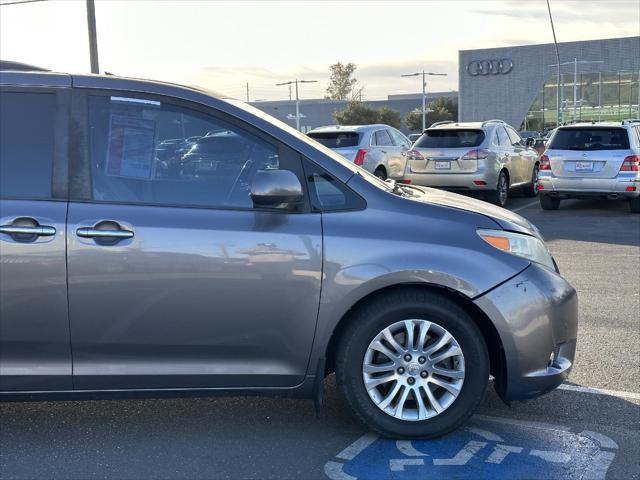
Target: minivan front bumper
{"points": [[536, 316]]}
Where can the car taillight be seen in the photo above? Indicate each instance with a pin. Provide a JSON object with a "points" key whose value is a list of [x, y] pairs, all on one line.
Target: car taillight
{"points": [[477, 154], [414, 155], [631, 164], [545, 164], [359, 160]]}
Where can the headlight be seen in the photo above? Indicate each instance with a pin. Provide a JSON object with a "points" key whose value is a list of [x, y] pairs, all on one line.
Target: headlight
{"points": [[524, 246]]}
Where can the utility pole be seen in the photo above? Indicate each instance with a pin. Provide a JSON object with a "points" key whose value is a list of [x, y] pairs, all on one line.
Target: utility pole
{"points": [[93, 36], [296, 82], [424, 92], [575, 63], [247, 92]]}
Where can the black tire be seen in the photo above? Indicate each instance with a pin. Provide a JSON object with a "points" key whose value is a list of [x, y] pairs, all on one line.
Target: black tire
{"points": [[380, 173], [549, 203], [499, 196], [634, 205], [531, 190], [385, 310]]}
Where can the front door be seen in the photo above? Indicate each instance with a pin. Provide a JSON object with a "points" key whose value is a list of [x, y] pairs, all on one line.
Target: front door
{"points": [[35, 353], [175, 280]]}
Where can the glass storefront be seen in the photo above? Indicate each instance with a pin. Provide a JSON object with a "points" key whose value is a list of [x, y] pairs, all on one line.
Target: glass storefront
{"points": [[600, 96]]}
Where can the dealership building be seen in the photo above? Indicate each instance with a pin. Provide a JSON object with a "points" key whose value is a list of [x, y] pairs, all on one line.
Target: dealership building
{"points": [[518, 85]]}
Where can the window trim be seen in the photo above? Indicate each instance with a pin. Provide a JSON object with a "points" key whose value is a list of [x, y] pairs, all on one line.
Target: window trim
{"points": [[80, 172], [61, 141], [310, 168]]}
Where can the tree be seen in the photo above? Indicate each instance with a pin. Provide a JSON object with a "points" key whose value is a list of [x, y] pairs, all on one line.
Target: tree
{"points": [[389, 116], [357, 113], [443, 108], [342, 83]]}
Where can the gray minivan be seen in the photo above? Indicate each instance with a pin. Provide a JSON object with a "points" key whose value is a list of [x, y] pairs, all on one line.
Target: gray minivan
{"points": [[252, 259]]}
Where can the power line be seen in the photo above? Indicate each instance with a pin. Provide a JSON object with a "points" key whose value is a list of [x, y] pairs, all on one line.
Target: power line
{"points": [[18, 2]]}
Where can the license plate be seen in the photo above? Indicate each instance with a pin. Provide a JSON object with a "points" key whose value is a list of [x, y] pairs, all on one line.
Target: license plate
{"points": [[443, 165], [584, 166]]}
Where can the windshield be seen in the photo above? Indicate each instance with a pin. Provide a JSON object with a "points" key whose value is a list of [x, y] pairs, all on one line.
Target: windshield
{"points": [[336, 139], [590, 139], [461, 138], [305, 138]]}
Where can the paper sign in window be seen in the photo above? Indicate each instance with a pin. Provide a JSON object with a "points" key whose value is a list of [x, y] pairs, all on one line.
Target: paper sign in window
{"points": [[131, 147]]}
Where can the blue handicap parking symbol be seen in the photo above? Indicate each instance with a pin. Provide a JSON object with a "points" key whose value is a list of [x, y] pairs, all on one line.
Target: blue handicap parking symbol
{"points": [[486, 448]]}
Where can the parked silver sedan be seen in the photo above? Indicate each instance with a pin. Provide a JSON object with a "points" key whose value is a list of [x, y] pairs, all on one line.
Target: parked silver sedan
{"points": [[592, 160], [380, 149], [488, 158]]}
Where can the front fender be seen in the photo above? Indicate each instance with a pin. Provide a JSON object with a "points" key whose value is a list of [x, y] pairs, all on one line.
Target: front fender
{"points": [[374, 249]]}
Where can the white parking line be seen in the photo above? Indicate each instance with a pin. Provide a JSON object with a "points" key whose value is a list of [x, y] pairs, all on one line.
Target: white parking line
{"points": [[600, 391], [531, 204]]}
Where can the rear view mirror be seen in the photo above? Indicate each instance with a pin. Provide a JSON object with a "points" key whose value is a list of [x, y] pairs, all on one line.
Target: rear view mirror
{"points": [[279, 189]]}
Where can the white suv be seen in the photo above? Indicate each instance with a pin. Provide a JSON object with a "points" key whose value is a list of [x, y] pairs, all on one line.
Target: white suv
{"points": [[587, 160]]}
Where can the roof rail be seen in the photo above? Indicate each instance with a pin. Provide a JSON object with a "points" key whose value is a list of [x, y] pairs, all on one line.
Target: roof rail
{"points": [[495, 120], [628, 121], [20, 67], [443, 122]]}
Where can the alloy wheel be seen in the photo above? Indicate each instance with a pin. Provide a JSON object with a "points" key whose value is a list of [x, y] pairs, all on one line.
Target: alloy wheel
{"points": [[413, 370]]}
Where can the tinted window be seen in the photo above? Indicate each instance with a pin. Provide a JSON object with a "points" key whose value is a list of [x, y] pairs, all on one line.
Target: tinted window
{"points": [[382, 138], [336, 139], [152, 153], [450, 138], [590, 139], [26, 144]]}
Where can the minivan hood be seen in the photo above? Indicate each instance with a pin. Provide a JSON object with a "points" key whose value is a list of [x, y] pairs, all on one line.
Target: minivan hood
{"points": [[503, 217]]}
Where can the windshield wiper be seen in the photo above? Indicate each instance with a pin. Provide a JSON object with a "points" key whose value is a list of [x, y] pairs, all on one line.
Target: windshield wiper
{"points": [[399, 188]]}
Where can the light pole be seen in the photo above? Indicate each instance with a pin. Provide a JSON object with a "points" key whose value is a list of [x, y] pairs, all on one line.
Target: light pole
{"points": [[555, 43], [424, 92], [296, 82], [93, 37], [575, 63]]}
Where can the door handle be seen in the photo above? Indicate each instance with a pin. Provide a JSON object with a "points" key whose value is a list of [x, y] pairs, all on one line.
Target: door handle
{"points": [[39, 231], [90, 232]]}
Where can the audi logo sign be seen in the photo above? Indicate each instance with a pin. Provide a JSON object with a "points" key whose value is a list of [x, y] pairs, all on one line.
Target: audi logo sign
{"points": [[490, 67]]}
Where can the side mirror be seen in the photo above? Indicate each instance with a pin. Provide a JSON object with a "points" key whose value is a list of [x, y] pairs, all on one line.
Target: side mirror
{"points": [[530, 142], [279, 189]]}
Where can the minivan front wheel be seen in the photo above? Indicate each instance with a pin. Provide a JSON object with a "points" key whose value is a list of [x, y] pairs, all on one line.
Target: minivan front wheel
{"points": [[412, 364]]}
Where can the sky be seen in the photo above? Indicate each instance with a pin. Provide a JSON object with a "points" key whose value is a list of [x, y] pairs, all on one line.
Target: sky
{"points": [[224, 45]]}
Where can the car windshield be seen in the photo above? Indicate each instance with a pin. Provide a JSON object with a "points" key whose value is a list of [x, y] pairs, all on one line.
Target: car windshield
{"points": [[450, 138], [327, 151], [336, 139], [592, 138]]}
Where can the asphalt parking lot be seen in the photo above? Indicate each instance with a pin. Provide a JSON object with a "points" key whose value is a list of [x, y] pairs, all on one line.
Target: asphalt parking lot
{"points": [[574, 432]]}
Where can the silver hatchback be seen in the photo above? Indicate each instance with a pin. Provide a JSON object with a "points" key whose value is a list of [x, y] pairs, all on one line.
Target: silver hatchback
{"points": [[488, 158], [379, 149], [592, 160]]}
